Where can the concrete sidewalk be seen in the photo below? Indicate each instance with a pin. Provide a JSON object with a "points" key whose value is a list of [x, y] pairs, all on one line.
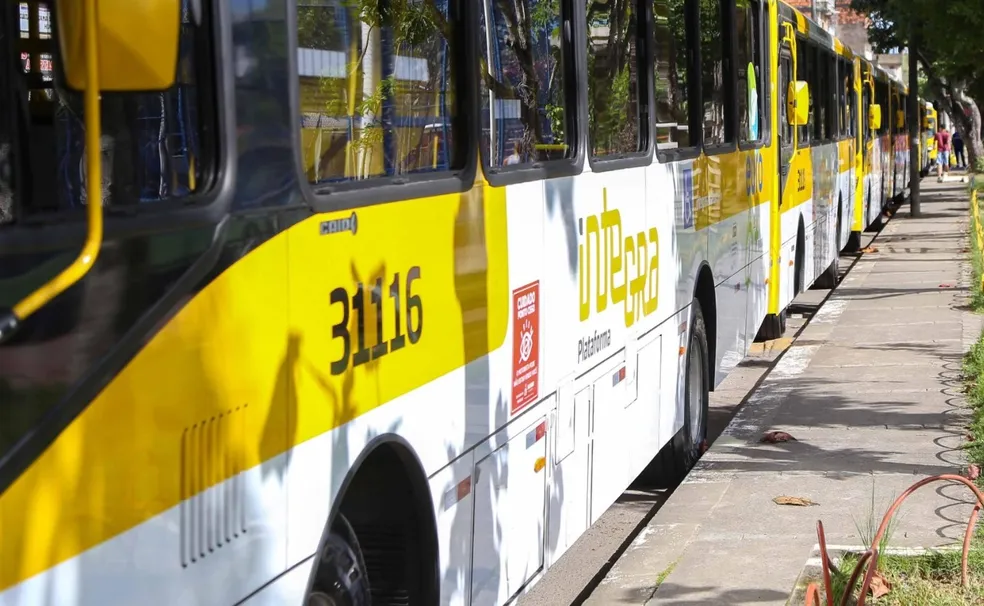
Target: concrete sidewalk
{"points": [[872, 391]]}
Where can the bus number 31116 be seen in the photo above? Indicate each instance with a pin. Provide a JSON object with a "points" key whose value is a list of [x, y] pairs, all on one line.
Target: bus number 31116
{"points": [[356, 304]]}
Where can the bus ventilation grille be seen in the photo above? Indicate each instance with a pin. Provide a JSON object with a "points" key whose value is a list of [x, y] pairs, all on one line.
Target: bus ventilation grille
{"points": [[212, 484]]}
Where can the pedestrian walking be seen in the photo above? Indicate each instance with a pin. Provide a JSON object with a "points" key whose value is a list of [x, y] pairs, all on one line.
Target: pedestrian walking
{"points": [[958, 150], [942, 153]]}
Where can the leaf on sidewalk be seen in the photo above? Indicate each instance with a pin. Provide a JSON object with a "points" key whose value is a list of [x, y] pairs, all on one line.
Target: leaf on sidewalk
{"points": [[946, 285], [879, 585], [774, 437], [869, 250], [973, 471], [795, 501]]}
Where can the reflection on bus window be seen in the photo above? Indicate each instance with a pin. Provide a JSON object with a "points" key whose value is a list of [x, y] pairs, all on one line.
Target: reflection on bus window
{"points": [[671, 75], [377, 85], [155, 146], [712, 73], [751, 74], [524, 113], [613, 78], [804, 69]]}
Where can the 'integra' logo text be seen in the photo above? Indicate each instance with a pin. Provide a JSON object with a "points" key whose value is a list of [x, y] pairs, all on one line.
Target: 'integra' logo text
{"points": [[616, 267]]}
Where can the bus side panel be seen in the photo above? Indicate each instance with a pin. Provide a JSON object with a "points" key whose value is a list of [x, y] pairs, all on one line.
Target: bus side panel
{"points": [[876, 185], [727, 204], [846, 190], [824, 226], [182, 454], [757, 243], [797, 211]]}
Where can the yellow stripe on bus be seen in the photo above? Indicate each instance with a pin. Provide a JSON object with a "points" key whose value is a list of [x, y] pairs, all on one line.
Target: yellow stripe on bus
{"points": [[259, 339]]}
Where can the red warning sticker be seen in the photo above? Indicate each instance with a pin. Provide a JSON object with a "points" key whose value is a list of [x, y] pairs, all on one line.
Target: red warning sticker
{"points": [[526, 346]]}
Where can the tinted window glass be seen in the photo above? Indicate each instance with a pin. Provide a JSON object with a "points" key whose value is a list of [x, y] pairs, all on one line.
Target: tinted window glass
{"points": [[805, 68], [751, 70], [378, 83], [672, 74], [613, 77], [155, 146], [818, 92], [712, 73], [847, 82], [524, 106], [785, 129], [881, 98]]}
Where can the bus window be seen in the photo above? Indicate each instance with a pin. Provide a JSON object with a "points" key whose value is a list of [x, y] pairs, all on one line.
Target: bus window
{"points": [[881, 98], [524, 107], [818, 92], [713, 76], [866, 103], [672, 76], [804, 72], [752, 82], [155, 146], [378, 90], [613, 79], [849, 100], [830, 96]]}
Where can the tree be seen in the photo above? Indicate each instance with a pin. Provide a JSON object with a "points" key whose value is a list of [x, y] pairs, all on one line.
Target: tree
{"points": [[950, 54]]}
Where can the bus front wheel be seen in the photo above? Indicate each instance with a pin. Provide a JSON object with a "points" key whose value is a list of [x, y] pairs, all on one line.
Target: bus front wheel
{"points": [[341, 576]]}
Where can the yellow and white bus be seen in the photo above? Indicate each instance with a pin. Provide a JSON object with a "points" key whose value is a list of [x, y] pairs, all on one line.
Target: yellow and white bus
{"points": [[883, 164], [387, 302], [929, 118]]}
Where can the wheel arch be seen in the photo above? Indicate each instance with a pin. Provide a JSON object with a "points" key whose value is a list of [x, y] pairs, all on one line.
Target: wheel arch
{"points": [[382, 451], [704, 294]]}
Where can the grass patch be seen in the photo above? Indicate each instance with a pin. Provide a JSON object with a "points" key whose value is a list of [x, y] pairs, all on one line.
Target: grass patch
{"points": [[932, 579]]}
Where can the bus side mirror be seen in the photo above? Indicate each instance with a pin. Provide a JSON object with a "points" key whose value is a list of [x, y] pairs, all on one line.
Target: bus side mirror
{"points": [[798, 104], [138, 43], [874, 117]]}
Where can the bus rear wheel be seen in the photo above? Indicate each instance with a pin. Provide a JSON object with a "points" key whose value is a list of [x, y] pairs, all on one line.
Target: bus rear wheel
{"points": [[677, 457], [341, 577]]}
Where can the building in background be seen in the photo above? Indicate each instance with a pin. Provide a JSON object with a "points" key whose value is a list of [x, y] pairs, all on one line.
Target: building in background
{"points": [[837, 17]]}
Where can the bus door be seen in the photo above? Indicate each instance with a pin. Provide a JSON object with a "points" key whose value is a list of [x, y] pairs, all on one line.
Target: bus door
{"points": [[786, 146]]}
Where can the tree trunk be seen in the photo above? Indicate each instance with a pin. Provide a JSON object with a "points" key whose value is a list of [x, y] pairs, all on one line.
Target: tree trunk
{"points": [[964, 111], [972, 138], [967, 116]]}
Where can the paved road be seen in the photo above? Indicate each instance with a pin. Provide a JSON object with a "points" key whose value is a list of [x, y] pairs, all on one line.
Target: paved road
{"points": [[577, 574]]}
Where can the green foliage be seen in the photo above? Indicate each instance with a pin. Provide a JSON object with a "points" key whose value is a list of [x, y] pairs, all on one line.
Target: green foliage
{"points": [[932, 579], [949, 33]]}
